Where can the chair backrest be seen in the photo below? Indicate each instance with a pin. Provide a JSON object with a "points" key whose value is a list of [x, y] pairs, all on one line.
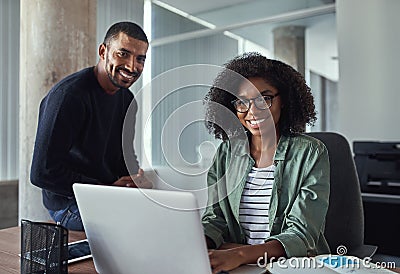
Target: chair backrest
{"points": [[345, 217]]}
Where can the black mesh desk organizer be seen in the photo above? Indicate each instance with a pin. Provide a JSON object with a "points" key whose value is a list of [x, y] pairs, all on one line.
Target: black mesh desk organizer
{"points": [[44, 248]]}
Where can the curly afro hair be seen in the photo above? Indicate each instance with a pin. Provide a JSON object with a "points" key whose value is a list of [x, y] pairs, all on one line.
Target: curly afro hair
{"points": [[296, 96]]}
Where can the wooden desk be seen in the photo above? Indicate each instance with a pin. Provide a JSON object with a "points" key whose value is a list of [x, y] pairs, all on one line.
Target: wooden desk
{"points": [[10, 247]]}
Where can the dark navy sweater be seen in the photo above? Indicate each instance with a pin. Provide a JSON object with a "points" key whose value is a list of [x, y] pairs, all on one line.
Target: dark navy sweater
{"points": [[79, 137]]}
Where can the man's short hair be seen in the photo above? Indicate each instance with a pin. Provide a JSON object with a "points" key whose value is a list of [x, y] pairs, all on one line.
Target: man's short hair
{"points": [[129, 28]]}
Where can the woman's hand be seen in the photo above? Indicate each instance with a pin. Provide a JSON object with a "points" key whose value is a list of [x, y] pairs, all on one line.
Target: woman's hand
{"points": [[237, 255], [225, 259]]}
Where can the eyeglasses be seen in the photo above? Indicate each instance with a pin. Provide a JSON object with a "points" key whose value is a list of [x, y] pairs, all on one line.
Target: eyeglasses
{"points": [[261, 102]]}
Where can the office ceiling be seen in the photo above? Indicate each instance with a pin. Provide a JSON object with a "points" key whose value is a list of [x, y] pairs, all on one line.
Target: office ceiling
{"points": [[234, 11], [223, 13], [197, 8], [194, 7]]}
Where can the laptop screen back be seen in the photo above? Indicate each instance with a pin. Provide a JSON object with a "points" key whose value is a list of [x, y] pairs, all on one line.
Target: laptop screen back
{"points": [[142, 230]]}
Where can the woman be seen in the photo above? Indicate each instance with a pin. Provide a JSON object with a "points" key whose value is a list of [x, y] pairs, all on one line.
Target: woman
{"points": [[269, 183]]}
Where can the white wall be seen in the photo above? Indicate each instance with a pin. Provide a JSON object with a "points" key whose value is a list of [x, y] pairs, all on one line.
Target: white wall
{"points": [[9, 86], [215, 49], [321, 47], [369, 58]]}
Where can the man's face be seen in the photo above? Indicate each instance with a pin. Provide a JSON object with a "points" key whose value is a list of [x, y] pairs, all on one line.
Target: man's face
{"points": [[124, 60]]}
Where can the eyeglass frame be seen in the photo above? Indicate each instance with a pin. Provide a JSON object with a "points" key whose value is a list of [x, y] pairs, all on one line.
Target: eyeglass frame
{"points": [[271, 97]]}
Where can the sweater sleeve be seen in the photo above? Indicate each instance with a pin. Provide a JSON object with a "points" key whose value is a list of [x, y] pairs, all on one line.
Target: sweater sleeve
{"points": [[61, 119], [129, 163]]}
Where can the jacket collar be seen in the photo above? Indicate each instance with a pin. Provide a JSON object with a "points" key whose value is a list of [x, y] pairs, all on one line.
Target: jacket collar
{"points": [[241, 147], [282, 148]]}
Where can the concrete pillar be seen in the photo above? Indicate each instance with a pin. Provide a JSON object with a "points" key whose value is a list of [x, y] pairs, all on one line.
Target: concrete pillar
{"points": [[56, 38], [289, 46]]}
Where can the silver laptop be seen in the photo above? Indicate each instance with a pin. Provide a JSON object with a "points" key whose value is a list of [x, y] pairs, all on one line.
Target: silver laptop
{"points": [[144, 230]]}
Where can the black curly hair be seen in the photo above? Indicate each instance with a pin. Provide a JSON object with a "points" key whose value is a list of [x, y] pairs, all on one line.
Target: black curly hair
{"points": [[296, 96]]}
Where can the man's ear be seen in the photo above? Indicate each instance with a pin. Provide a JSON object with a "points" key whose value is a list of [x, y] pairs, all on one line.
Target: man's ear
{"points": [[102, 51]]}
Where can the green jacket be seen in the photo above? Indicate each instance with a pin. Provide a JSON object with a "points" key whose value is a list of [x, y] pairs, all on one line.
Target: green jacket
{"points": [[299, 200]]}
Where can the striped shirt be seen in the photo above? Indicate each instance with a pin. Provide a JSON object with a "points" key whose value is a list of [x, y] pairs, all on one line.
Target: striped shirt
{"points": [[254, 204]]}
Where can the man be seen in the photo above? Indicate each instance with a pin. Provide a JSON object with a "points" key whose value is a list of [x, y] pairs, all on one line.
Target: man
{"points": [[79, 135]]}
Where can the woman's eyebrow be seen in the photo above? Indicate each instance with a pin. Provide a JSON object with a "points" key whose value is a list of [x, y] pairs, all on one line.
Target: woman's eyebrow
{"points": [[267, 91], [263, 92]]}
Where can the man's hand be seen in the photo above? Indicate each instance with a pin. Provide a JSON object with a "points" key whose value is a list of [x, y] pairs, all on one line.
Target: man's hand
{"points": [[136, 180], [124, 181], [140, 180]]}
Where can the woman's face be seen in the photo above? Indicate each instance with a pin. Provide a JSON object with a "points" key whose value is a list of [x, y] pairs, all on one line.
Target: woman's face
{"points": [[256, 120]]}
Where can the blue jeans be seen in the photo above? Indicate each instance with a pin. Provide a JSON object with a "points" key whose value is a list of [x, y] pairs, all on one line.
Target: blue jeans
{"points": [[68, 217]]}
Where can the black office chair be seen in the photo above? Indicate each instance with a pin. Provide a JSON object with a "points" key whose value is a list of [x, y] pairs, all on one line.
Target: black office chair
{"points": [[345, 218]]}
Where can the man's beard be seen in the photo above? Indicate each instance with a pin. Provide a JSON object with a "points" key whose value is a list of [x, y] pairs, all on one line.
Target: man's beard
{"points": [[114, 80]]}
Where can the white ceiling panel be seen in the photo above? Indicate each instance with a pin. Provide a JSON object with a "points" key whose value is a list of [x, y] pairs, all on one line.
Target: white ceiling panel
{"points": [[194, 7]]}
